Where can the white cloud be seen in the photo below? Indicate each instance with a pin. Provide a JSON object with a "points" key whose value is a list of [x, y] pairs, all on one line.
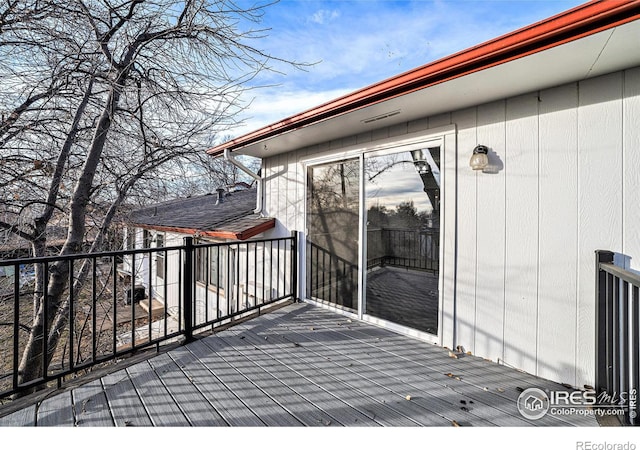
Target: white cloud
{"points": [[363, 42], [323, 16], [272, 105]]}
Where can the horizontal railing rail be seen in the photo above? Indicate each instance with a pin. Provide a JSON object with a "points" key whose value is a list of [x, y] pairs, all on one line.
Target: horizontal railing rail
{"points": [[618, 335], [118, 302]]}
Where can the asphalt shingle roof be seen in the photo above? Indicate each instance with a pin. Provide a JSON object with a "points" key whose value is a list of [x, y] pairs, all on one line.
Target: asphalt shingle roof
{"points": [[234, 216]]}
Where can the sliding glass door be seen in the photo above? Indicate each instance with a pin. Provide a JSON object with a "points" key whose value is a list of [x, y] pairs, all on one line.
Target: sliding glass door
{"points": [[402, 192], [333, 208], [399, 208]]}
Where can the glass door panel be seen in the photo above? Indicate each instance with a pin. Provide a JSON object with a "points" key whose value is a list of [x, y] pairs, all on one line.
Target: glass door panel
{"points": [[333, 208], [402, 192]]}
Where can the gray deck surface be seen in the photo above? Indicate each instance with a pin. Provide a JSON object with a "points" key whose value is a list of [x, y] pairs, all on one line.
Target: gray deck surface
{"points": [[299, 366]]}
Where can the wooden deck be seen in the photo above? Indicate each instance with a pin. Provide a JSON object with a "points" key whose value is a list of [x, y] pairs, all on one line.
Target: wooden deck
{"points": [[298, 366]]}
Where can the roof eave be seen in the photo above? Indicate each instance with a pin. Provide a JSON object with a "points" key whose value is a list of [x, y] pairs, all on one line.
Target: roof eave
{"points": [[573, 24], [222, 234]]}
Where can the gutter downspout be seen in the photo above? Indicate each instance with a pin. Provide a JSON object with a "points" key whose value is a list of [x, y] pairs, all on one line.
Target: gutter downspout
{"points": [[258, 178]]}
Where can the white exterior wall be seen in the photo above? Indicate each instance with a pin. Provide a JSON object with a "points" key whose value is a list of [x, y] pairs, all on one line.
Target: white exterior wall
{"points": [[518, 245]]}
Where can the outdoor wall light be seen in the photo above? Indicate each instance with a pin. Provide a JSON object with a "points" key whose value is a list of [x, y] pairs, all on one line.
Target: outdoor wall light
{"points": [[420, 162], [479, 159]]}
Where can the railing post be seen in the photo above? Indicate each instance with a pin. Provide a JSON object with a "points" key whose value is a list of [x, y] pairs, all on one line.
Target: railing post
{"points": [[187, 288], [602, 357], [294, 265]]}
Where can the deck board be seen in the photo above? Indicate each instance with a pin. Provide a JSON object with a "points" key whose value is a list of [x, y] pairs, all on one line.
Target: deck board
{"points": [[191, 401], [299, 366], [337, 410], [275, 387], [159, 404], [90, 406], [263, 406], [56, 411], [482, 380], [387, 372], [233, 411], [370, 401], [125, 405], [25, 417]]}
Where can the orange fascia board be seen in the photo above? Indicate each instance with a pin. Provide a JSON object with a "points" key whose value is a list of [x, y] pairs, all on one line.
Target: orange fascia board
{"points": [[576, 23], [222, 234]]}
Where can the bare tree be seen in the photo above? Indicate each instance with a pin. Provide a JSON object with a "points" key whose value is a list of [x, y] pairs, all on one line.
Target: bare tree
{"points": [[100, 99]]}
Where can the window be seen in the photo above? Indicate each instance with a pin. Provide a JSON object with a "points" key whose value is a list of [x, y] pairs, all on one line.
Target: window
{"points": [[160, 256], [209, 266], [146, 239], [131, 239]]}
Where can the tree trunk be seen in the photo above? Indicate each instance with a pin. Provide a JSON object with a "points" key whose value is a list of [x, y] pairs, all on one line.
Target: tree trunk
{"points": [[54, 306]]}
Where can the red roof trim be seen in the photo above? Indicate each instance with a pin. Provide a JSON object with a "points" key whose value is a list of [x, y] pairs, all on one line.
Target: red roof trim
{"points": [[241, 235], [581, 21]]}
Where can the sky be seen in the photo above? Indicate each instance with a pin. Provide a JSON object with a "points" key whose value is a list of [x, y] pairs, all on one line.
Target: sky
{"points": [[351, 44]]}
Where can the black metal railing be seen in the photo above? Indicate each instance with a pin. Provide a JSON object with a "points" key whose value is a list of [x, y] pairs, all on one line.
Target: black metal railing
{"points": [[406, 248], [331, 278], [618, 335], [116, 303]]}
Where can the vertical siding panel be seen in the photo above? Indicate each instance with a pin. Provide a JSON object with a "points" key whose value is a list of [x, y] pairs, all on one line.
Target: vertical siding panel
{"points": [[557, 284], [292, 188], [491, 234], [631, 187], [521, 240], [440, 120], [466, 231], [447, 228], [268, 188], [599, 199]]}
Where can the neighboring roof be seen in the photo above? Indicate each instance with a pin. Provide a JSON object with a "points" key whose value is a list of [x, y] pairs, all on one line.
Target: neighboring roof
{"points": [[515, 63], [234, 218]]}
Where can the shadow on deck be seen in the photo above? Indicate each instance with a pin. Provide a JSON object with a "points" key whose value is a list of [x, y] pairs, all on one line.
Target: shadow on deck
{"points": [[299, 366]]}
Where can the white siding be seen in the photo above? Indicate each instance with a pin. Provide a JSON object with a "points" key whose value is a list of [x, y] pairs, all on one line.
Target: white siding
{"points": [[599, 199], [518, 244], [558, 234], [521, 238], [466, 260], [631, 165], [489, 330]]}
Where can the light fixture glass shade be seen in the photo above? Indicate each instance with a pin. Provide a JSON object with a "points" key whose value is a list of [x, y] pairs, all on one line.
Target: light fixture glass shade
{"points": [[419, 161], [479, 159]]}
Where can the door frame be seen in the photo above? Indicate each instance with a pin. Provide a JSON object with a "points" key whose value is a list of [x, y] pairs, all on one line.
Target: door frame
{"points": [[419, 140]]}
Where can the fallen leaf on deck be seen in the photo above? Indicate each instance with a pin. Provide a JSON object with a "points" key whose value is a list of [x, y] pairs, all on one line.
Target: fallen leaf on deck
{"points": [[454, 423], [408, 397], [499, 389], [450, 375], [452, 355]]}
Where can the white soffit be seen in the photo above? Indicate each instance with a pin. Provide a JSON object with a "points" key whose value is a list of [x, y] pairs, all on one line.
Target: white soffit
{"points": [[598, 54]]}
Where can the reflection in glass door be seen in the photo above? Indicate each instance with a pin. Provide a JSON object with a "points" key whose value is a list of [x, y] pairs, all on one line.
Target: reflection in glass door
{"points": [[333, 208], [402, 192]]}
